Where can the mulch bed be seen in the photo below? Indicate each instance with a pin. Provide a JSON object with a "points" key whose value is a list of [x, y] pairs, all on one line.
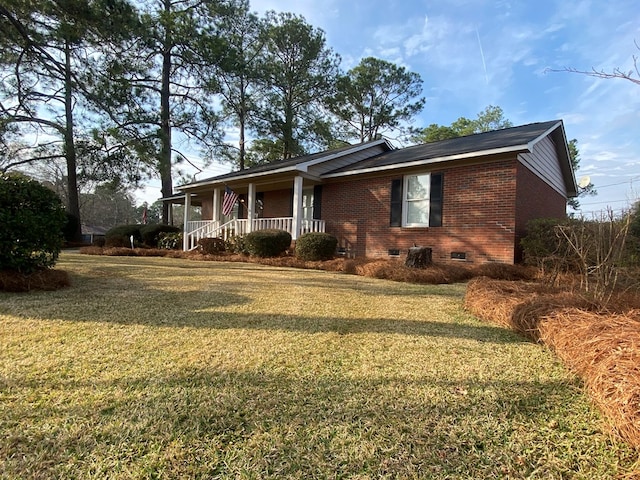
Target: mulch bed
{"points": [[44, 279], [601, 346], [605, 351]]}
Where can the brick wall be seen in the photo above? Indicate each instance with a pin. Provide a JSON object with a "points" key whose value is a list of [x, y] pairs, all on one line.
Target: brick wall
{"points": [[207, 208], [479, 215], [535, 199], [278, 203]]}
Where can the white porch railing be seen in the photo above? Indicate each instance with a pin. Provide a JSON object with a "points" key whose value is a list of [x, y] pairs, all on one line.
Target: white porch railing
{"points": [[213, 229]]}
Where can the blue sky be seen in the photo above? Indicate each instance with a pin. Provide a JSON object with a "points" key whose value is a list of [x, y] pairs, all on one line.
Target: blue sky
{"points": [[474, 53]]}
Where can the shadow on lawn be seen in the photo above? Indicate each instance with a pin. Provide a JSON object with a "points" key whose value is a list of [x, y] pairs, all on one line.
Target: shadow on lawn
{"points": [[197, 309], [104, 294], [209, 423]]}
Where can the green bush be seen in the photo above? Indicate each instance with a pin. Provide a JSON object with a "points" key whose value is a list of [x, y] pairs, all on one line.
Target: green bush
{"points": [[170, 241], [120, 236], [32, 219], [543, 246], [211, 246], [316, 246], [236, 244], [98, 242], [268, 243], [151, 233]]}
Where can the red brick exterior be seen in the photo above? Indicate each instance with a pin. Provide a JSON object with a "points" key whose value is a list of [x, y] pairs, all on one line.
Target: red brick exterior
{"points": [[534, 199], [482, 214], [278, 203], [486, 207], [207, 209]]}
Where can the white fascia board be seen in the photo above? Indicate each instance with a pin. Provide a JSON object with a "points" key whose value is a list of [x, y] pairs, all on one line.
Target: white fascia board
{"points": [[213, 181], [426, 161], [570, 172], [543, 135]]}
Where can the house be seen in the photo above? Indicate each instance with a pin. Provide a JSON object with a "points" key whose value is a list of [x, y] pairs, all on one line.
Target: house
{"points": [[468, 198], [91, 233]]}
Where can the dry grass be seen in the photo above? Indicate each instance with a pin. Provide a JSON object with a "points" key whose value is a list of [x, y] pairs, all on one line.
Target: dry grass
{"points": [[605, 351], [600, 345], [165, 368], [518, 306]]}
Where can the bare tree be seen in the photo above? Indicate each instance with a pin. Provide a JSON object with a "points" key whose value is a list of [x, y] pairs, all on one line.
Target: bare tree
{"points": [[632, 75]]}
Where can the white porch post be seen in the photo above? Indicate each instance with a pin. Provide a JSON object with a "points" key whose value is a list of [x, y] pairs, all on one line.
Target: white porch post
{"points": [[185, 235], [297, 207], [216, 205], [251, 206]]}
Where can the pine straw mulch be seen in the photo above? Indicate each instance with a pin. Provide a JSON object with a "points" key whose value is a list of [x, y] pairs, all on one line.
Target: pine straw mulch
{"points": [[44, 279], [388, 269], [601, 346]]}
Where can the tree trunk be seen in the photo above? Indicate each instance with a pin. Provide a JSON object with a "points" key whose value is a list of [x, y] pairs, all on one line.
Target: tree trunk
{"points": [[418, 257], [241, 117], [73, 200], [164, 160]]}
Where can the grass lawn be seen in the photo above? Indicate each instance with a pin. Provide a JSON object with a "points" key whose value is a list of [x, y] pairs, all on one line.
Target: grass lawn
{"points": [[170, 368]]}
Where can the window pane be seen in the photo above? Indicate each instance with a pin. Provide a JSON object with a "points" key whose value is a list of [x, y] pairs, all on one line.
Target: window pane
{"points": [[418, 187], [418, 212]]}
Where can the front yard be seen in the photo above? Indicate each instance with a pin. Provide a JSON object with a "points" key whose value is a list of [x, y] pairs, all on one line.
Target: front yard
{"points": [[171, 368]]}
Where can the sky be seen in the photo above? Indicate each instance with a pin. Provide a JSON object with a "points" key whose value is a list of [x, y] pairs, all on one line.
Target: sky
{"points": [[472, 53]]}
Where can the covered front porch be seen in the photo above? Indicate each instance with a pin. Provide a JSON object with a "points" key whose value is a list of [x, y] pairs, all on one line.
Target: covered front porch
{"points": [[241, 226], [259, 206]]}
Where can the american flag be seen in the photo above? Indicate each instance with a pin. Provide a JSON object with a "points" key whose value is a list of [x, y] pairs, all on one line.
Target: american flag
{"points": [[228, 201]]}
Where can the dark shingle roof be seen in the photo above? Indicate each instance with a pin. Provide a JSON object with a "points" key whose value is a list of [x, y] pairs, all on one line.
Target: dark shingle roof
{"points": [[290, 162], [481, 142]]}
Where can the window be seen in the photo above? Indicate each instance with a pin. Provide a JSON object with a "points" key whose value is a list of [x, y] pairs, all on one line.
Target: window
{"points": [[307, 203], [416, 201]]}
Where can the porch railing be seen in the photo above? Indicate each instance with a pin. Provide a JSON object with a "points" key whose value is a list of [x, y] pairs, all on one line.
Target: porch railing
{"points": [[213, 229]]}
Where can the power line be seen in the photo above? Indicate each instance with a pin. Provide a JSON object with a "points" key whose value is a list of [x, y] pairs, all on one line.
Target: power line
{"points": [[616, 184]]}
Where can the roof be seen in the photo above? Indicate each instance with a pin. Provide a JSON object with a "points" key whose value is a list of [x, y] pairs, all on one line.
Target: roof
{"points": [[379, 155], [287, 165], [497, 141]]}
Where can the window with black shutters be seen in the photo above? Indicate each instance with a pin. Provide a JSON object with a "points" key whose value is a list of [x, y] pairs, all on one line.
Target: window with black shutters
{"points": [[416, 200]]}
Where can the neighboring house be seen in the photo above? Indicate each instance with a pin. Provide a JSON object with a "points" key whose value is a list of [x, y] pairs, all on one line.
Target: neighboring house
{"points": [[90, 233], [468, 198]]}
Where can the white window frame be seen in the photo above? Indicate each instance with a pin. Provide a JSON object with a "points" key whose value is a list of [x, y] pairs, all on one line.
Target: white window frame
{"points": [[307, 203], [406, 201]]}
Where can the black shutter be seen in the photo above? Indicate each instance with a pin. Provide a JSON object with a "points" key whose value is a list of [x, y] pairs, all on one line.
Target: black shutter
{"points": [[435, 200], [241, 208], [291, 204], [395, 219], [317, 202]]}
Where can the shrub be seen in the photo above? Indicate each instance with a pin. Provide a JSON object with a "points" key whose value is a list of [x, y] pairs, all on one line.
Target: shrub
{"points": [[316, 246], [151, 233], [98, 242], [236, 244], [120, 236], [170, 241], [268, 243], [546, 248], [541, 242], [211, 246], [43, 279], [32, 219]]}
